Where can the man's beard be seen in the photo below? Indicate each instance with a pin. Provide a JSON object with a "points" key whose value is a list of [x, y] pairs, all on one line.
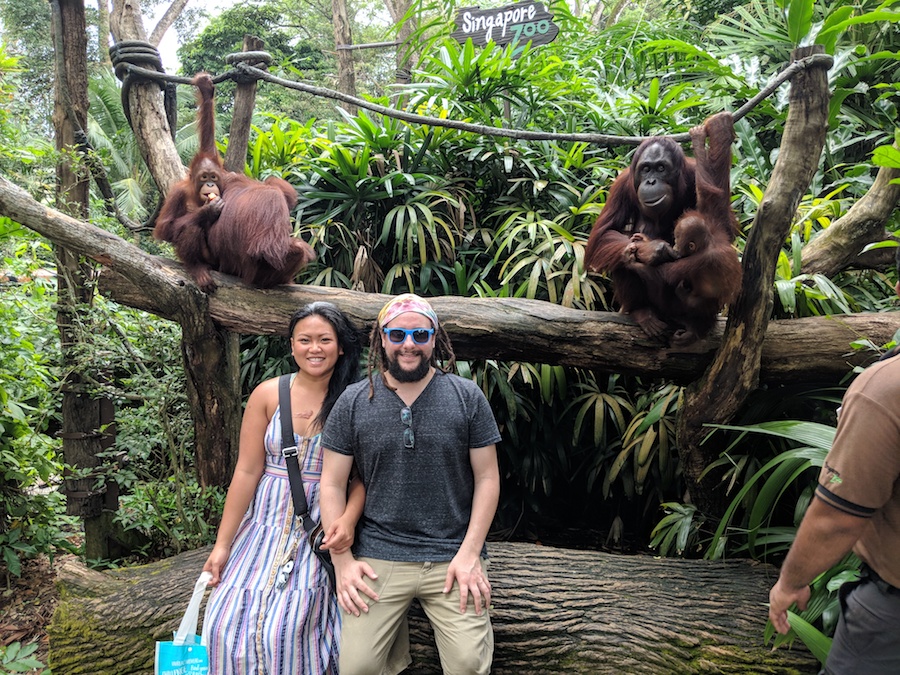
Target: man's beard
{"points": [[414, 375]]}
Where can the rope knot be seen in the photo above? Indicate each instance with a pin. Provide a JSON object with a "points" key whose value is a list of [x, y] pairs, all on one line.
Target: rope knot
{"points": [[136, 53], [243, 61]]}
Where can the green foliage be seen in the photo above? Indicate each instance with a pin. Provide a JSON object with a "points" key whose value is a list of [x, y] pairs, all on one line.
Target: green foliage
{"points": [[116, 147], [26, 34], [773, 479], [23, 154], [862, 37], [817, 622], [817, 642], [677, 530], [173, 515], [791, 473], [18, 658], [299, 37], [647, 444], [152, 457], [32, 520], [888, 155], [705, 11], [378, 220], [391, 206], [225, 35]]}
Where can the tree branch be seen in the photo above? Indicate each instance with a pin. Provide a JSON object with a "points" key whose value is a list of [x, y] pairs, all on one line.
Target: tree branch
{"points": [[735, 371], [166, 21], [840, 246], [812, 349]]}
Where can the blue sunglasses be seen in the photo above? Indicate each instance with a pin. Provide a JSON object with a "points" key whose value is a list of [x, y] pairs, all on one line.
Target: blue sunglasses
{"points": [[419, 335]]}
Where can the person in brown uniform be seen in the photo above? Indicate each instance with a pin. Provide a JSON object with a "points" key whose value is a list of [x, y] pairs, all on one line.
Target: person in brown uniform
{"points": [[856, 507]]}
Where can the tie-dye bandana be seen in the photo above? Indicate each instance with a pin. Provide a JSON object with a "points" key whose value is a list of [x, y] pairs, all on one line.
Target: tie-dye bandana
{"points": [[407, 302]]}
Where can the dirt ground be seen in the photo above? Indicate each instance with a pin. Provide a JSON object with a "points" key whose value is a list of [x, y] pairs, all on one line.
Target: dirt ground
{"points": [[27, 604]]}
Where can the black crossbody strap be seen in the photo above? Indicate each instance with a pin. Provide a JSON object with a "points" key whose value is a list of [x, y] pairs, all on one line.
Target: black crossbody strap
{"points": [[290, 451]]}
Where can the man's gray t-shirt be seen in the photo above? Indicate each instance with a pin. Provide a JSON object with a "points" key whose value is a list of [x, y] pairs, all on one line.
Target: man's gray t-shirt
{"points": [[419, 499]]}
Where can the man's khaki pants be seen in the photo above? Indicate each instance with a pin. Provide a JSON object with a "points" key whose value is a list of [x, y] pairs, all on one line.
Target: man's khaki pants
{"points": [[377, 642]]}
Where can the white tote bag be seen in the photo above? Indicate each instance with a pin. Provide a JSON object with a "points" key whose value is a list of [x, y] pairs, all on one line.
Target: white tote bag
{"points": [[186, 653]]}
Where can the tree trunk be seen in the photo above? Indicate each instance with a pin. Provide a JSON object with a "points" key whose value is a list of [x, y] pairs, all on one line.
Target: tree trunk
{"points": [[244, 102], [148, 115], [405, 56], [235, 160], [103, 32], [213, 388], [814, 349], [82, 439], [342, 36], [553, 611], [734, 372], [840, 246], [165, 22]]}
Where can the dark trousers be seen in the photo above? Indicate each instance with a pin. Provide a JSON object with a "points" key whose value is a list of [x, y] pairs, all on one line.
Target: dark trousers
{"points": [[867, 637]]}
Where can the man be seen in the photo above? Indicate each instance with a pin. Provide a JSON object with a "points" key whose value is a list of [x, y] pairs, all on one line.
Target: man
{"points": [[856, 506], [424, 441]]}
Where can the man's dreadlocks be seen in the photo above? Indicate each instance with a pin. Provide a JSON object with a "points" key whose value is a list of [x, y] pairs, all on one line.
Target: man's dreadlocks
{"points": [[443, 353]]}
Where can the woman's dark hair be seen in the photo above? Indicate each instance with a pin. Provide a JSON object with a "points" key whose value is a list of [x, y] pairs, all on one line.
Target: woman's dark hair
{"points": [[346, 370]]}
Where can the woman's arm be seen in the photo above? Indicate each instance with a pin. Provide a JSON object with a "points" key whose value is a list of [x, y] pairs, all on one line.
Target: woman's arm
{"points": [[250, 466]]}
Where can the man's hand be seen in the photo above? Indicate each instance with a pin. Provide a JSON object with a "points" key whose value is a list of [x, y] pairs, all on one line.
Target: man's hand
{"points": [[780, 598], [467, 571], [350, 577]]}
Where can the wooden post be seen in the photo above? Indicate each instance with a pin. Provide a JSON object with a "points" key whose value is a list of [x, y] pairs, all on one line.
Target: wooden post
{"points": [[342, 36], [734, 372]]}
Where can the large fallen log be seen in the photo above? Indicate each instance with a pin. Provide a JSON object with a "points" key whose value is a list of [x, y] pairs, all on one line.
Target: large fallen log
{"points": [[554, 611], [814, 349]]}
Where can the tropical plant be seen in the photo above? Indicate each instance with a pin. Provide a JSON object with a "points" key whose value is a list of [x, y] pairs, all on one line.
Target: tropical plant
{"points": [[647, 444], [860, 36], [18, 658], [393, 206], [152, 458], [32, 514], [678, 529], [379, 218], [603, 410], [114, 142], [794, 473]]}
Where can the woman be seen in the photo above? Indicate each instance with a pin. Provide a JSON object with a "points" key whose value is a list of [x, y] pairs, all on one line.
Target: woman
{"points": [[272, 610]]}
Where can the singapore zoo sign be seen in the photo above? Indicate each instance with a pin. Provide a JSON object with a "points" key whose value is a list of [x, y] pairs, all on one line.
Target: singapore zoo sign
{"points": [[520, 23]]}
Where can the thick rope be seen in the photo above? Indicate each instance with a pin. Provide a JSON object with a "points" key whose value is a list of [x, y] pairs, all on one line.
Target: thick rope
{"points": [[129, 58], [242, 70]]}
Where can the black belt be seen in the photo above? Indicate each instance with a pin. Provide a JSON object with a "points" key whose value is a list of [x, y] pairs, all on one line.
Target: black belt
{"points": [[867, 572]]}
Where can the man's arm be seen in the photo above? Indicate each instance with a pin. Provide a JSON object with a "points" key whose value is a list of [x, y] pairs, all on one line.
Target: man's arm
{"points": [[465, 567], [825, 536]]}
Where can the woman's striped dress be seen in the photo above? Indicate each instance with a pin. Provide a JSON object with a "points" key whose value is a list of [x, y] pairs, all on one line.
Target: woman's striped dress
{"points": [[257, 623]]}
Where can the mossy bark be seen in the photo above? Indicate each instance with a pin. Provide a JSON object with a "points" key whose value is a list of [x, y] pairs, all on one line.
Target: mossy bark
{"points": [[554, 611]]}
